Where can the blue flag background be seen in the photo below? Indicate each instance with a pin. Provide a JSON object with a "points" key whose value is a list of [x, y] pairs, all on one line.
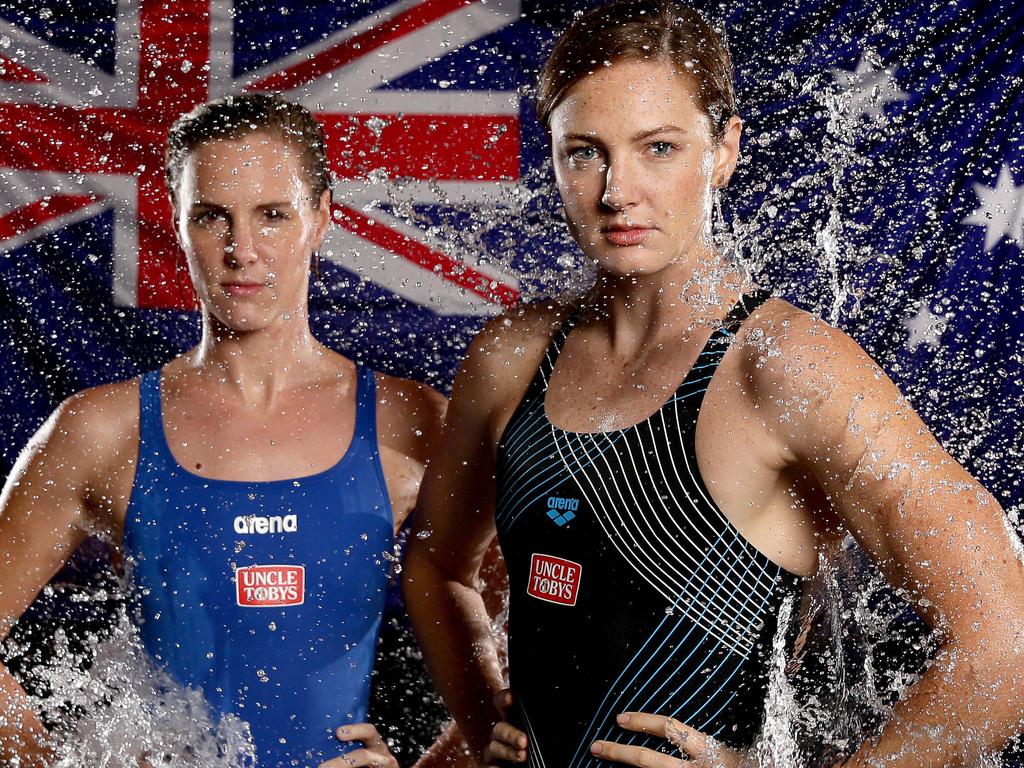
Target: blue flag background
{"points": [[882, 186]]}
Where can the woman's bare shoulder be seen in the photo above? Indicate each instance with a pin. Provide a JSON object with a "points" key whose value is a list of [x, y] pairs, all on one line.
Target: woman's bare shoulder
{"points": [[410, 415], [518, 336], [102, 418], [818, 384], [502, 361], [782, 345], [86, 449]]}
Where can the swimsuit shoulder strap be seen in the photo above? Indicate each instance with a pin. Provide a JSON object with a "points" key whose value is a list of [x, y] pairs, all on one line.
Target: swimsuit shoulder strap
{"points": [[151, 423], [743, 309], [720, 341], [547, 363], [366, 406]]}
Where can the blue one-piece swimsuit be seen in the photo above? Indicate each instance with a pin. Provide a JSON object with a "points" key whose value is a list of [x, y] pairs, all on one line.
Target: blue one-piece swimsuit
{"points": [[267, 596]]}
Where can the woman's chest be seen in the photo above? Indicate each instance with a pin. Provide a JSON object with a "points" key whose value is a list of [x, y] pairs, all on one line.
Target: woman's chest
{"points": [[589, 392], [225, 441]]}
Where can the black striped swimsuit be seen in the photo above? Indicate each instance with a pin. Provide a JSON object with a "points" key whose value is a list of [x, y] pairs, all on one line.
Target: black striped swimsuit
{"points": [[629, 589]]}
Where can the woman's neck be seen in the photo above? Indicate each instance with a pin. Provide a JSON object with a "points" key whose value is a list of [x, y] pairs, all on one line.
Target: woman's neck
{"points": [[258, 364], [638, 309]]}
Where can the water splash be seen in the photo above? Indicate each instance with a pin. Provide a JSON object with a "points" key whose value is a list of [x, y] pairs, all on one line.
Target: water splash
{"points": [[111, 707]]}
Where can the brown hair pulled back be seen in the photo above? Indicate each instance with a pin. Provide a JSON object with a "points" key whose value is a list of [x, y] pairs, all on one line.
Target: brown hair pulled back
{"points": [[234, 117], [642, 29]]}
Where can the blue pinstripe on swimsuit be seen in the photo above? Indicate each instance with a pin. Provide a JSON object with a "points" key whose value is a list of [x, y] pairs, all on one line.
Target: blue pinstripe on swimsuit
{"points": [[630, 590]]}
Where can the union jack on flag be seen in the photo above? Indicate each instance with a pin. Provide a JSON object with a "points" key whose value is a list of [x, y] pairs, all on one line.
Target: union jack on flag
{"points": [[79, 140]]}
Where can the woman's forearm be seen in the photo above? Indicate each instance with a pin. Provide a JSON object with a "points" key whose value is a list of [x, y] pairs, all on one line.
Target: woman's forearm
{"points": [[454, 631], [967, 704], [449, 751], [22, 734]]}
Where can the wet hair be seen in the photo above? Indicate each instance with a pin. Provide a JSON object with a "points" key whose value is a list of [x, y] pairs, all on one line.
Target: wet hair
{"points": [[652, 30], [234, 117]]}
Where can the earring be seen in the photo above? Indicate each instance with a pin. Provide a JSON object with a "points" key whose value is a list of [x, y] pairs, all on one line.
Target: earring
{"points": [[316, 265]]}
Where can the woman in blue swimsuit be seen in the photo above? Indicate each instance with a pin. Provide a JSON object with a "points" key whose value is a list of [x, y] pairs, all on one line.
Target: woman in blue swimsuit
{"points": [[253, 484], [663, 462]]}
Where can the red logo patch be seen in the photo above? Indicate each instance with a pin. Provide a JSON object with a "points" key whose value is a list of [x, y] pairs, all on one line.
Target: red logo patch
{"points": [[263, 586], [554, 580]]}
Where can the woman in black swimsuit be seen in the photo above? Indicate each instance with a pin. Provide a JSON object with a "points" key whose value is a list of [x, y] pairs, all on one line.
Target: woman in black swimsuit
{"points": [[663, 463]]}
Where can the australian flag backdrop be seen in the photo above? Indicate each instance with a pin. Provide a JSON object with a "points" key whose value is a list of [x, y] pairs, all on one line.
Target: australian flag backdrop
{"points": [[881, 185]]}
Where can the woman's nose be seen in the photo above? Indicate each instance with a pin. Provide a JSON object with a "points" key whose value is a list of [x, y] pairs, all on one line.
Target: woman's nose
{"points": [[619, 187], [241, 247]]}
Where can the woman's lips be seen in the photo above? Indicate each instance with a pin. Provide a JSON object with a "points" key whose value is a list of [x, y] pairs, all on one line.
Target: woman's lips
{"points": [[626, 236], [242, 289]]}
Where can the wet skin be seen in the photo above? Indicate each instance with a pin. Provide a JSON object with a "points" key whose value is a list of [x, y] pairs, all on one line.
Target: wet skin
{"points": [[801, 438], [258, 399]]}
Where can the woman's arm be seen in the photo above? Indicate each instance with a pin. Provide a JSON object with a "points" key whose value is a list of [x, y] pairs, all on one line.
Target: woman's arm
{"points": [[410, 417], [453, 530], [931, 528], [60, 487]]}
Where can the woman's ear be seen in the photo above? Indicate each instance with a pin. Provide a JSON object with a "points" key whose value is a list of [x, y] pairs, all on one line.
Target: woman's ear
{"points": [[175, 214], [727, 153], [323, 219]]}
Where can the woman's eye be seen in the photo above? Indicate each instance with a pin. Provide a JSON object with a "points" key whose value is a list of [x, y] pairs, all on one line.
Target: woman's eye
{"points": [[583, 153], [206, 218], [662, 148], [273, 214]]}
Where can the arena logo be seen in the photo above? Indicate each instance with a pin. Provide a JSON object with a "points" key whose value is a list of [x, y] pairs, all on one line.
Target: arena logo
{"points": [[266, 586], [561, 510], [254, 524], [554, 580]]}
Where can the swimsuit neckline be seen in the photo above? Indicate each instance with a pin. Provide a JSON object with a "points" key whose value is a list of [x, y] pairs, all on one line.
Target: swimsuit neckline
{"points": [[164, 446]]}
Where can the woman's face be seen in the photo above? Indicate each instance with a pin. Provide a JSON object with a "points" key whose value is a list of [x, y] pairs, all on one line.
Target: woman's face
{"points": [[247, 225], [635, 164]]}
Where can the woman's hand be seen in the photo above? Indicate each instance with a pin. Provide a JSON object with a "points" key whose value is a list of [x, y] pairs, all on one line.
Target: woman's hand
{"points": [[507, 742], [375, 752], [699, 750]]}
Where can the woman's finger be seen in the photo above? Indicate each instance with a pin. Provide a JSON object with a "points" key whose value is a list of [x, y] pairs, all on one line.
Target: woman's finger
{"points": [[501, 751], [631, 755], [509, 734], [364, 732], [503, 699], [362, 758]]}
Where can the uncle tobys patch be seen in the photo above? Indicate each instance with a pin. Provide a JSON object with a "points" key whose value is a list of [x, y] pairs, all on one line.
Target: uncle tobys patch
{"points": [[554, 580], [265, 586]]}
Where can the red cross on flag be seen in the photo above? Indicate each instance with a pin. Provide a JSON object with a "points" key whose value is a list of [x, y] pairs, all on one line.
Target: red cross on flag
{"points": [[77, 141]]}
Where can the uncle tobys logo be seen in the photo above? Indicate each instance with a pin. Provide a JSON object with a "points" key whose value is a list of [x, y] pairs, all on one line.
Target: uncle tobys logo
{"points": [[554, 580], [264, 586]]}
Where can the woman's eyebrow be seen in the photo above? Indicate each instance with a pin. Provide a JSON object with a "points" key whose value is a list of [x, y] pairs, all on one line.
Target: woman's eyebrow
{"points": [[589, 137], [655, 131]]}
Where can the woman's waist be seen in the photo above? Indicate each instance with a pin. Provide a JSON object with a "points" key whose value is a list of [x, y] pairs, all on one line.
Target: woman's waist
{"points": [[570, 689]]}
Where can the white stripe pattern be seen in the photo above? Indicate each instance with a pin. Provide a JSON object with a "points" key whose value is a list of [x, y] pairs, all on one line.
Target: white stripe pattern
{"points": [[664, 537]]}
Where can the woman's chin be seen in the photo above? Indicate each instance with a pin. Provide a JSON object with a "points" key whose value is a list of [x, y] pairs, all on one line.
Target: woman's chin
{"points": [[243, 320], [634, 261]]}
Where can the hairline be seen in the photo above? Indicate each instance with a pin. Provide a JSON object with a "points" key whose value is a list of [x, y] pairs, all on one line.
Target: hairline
{"points": [[271, 131]]}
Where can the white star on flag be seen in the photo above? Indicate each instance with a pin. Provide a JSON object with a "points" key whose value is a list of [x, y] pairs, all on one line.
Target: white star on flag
{"points": [[1000, 210], [925, 328], [869, 87]]}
